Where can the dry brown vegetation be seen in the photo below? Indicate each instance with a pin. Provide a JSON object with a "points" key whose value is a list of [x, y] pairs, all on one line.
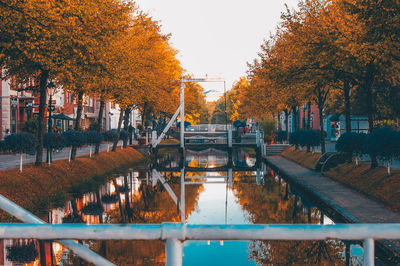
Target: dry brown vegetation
{"points": [[374, 183], [307, 159], [39, 185]]}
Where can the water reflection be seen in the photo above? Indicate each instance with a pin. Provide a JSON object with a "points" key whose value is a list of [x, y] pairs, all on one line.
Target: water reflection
{"points": [[243, 193]]}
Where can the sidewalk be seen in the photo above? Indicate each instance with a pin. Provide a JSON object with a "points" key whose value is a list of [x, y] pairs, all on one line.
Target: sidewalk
{"points": [[11, 161], [351, 204]]}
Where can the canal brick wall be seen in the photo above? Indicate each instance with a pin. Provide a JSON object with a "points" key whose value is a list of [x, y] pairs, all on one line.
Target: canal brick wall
{"points": [[340, 202]]}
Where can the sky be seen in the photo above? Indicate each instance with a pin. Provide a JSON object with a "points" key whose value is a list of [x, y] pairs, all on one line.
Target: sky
{"points": [[217, 37]]}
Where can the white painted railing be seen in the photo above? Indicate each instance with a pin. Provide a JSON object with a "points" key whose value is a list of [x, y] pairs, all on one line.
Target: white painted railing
{"points": [[176, 233]]}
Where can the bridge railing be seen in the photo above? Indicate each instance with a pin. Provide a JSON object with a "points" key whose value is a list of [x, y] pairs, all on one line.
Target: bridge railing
{"points": [[209, 128], [175, 233]]}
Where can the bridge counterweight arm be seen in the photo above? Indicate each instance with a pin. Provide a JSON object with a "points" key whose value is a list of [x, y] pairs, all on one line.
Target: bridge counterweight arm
{"points": [[155, 143]]}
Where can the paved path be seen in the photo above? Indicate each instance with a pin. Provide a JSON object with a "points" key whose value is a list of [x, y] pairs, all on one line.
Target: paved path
{"points": [[362, 209], [353, 205], [10, 161]]}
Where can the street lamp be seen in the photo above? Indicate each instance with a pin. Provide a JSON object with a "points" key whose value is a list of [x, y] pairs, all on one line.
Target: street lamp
{"points": [[226, 111], [51, 89]]}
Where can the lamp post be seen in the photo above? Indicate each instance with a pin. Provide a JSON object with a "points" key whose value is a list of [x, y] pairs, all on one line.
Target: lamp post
{"points": [[226, 111], [51, 89]]}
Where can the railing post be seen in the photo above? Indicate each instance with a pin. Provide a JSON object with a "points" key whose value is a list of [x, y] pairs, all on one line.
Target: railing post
{"points": [[182, 202], [182, 125], [230, 137], [369, 252], [153, 137], [173, 252], [258, 138], [230, 177]]}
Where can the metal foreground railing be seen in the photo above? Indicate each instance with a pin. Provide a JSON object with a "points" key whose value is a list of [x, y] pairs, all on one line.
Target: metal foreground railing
{"points": [[175, 233]]}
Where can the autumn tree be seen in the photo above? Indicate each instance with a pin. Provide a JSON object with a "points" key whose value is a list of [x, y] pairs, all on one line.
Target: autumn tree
{"points": [[55, 40]]}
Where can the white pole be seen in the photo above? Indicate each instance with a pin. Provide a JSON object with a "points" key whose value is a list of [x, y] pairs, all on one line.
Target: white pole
{"points": [[369, 252], [182, 115], [108, 146], [230, 137], [230, 177], [153, 137], [183, 214], [90, 151], [173, 252], [70, 153], [20, 163]]}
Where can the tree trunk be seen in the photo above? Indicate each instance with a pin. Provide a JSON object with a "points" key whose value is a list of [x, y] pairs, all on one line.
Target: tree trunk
{"points": [[346, 91], [42, 251], [121, 115], [126, 125], [44, 75], [369, 78], [309, 115], [308, 126], [279, 121], [296, 122], [321, 125], [100, 123], [77, 121], [144, 117], [287, 125]]}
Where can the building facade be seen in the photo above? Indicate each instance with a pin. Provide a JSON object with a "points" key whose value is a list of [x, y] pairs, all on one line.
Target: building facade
{"points": [[18, 105]]}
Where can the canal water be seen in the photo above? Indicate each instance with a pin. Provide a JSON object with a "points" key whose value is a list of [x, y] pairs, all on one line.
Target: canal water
{"points": [[249, 194]]}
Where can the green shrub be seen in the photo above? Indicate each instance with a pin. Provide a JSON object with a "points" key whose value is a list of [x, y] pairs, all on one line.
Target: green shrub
{"points": [[21, 142], [110, 136], [280, 136], [74, 138], [123, 135], [94, 137], [383, 143], [351, 143], [53, 140]]}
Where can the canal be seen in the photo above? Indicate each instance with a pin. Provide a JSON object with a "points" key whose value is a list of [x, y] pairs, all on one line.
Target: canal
{"points": [[249, 194]]}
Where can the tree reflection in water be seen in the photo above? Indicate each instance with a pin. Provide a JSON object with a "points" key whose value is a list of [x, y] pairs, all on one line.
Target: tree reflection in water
{"points": [[273, 203], [149, 204]]}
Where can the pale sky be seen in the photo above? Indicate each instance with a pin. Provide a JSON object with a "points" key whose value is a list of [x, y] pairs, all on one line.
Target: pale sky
{"points": [[217, 37]]}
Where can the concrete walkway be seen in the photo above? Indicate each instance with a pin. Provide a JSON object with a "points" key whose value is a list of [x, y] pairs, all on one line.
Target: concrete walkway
{"points": [[355, 207], [11, 161]]}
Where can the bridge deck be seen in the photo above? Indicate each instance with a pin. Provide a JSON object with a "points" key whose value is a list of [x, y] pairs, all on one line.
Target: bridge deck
{"points": [[203, 169], [209, 145]]}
